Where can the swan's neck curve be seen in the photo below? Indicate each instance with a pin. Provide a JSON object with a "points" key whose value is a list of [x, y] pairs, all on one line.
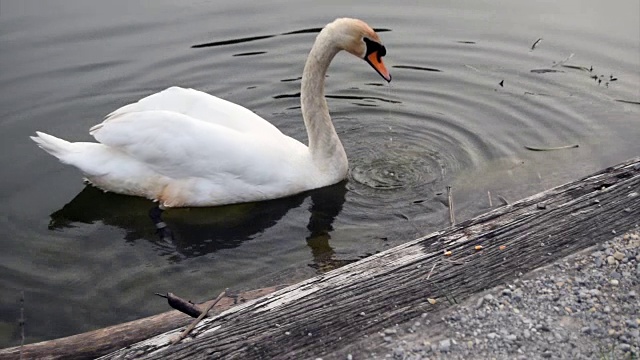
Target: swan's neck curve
{"points": [[325, 147]]}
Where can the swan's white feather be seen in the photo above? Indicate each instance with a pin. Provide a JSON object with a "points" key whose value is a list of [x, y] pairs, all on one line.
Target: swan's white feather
{"points": [[199, 106]]}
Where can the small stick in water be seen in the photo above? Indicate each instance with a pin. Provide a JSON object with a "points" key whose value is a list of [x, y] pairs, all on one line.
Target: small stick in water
{"points": [[489, 195], [452, 217], [535, 148], [504, 201], [536, 43], [564, 60], [196, 321]]}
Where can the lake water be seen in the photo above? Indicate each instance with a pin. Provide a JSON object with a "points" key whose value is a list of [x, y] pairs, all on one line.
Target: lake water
{"points": [[468, 94]]}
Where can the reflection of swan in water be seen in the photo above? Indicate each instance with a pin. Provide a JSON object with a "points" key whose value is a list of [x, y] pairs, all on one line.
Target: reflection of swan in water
{"points": [[199, 231]]}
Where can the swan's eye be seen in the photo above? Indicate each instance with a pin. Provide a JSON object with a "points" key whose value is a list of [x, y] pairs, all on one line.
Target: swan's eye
{"points": [[374, 47], [383, 51]]}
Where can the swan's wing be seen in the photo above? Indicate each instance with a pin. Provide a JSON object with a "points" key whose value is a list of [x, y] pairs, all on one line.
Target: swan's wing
{"points": [[178, 146], [199, 106]]}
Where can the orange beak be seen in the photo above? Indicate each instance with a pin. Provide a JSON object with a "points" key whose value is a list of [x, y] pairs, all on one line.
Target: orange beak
{"points": [[375, 60]]}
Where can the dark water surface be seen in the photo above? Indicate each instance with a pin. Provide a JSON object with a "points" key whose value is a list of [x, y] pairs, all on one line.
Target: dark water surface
{"points": [[85, 259]]}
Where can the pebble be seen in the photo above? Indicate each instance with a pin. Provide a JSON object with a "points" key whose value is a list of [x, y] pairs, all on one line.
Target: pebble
{"points": [[390, 331], [618, 255], [611, 260], [444, 345], [614, 282]]}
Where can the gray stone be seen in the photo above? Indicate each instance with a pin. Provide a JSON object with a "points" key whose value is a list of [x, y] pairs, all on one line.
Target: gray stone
{"points": [[492, 336], [618, 255], [526, 334], [624, 347], [598, 262], [595, 292], [398, 353], [444, 345], [615, 275], [511, 337], [611, 260]]}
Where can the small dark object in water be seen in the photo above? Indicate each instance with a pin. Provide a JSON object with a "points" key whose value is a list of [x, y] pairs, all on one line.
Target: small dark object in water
{"points": [[411, 67], [542, 71], [535, 148], [613, 79], [591, 68], [577, 67], [628, 101], [536, 43], [594, 77], [502, 83], [599, 81]]}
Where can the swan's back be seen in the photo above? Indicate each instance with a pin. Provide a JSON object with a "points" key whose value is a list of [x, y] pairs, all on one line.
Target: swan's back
{"points": [[200, 106]]}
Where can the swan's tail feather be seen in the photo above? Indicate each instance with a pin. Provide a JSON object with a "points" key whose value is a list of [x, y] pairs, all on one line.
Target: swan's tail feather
{"points": [[53, 145]]}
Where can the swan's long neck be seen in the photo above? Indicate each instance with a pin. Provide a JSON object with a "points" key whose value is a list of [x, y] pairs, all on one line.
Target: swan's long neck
{"points": [[325, 146]]}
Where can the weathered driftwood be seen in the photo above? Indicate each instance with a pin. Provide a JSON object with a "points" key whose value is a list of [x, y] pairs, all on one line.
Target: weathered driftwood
{"points": [[92, 344], [327, 312]]}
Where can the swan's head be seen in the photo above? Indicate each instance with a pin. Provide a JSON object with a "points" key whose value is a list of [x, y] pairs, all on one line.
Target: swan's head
{"points": [[359, 39]]}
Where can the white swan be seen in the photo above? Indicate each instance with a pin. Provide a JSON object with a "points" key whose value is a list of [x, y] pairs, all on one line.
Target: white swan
{"points": [[182, 147]]}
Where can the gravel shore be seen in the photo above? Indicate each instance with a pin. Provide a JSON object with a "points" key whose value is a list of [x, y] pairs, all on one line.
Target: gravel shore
{"points": [[586, 306]]}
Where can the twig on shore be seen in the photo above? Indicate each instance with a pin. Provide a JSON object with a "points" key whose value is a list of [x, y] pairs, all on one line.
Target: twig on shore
{"points": [[452, 217], [431, 271], [196, 321]]}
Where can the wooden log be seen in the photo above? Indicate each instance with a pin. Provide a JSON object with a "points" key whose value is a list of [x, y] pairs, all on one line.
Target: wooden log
{"points": [[95, 343], [329, 311]]}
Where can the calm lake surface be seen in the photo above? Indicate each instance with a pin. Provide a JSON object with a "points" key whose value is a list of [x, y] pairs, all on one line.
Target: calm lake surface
{"points": [[86, 259]]}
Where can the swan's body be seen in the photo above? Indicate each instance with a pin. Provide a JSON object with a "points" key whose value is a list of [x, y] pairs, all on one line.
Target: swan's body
{"points": [[183, 147]]}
